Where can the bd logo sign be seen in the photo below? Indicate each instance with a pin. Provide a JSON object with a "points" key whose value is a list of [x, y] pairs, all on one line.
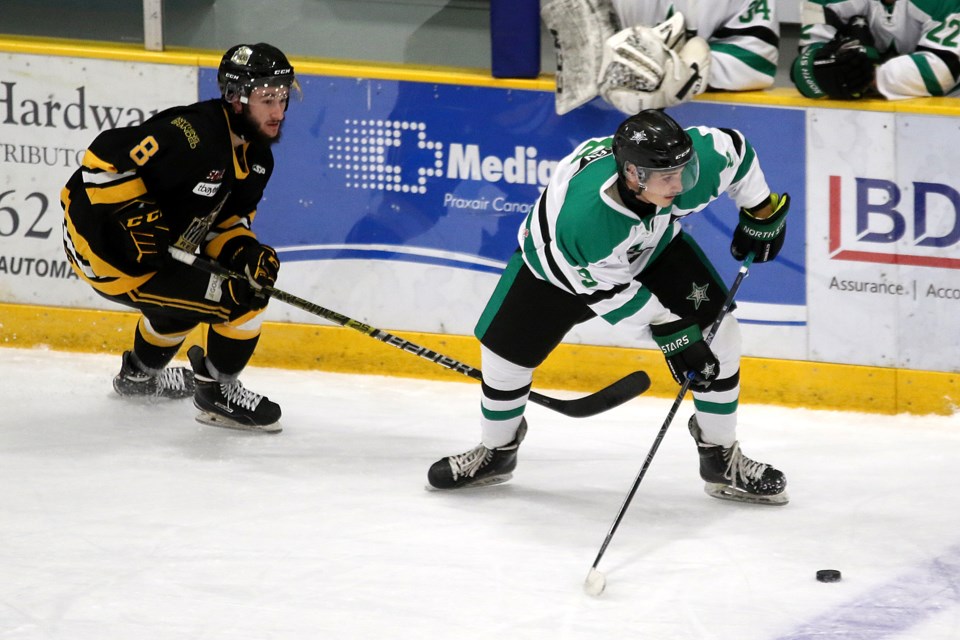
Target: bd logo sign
{"points": [[892, 227]]}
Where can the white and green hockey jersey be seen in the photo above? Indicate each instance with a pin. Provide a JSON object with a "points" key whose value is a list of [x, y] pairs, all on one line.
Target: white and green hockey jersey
{"points": [[919, 40], [744, 35], [582, 238]]}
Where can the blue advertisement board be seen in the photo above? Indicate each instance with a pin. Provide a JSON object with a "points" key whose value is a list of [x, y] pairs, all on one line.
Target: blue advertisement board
{"points": [[445, 174], [778, 135]]}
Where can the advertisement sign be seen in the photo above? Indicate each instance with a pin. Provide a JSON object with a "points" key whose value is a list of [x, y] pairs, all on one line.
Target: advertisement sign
{"points": [[394, 202], [393, 197], [51, 108], [397, 203], [772, 304], [884, 249]]}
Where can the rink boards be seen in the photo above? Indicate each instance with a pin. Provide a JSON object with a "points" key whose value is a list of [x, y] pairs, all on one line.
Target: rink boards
{"points": [[397, 194]]}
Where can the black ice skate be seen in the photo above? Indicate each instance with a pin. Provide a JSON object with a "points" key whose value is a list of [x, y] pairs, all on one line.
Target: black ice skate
{"points": [[478, 467], [730, 475], [228, 404], [135, 380]]}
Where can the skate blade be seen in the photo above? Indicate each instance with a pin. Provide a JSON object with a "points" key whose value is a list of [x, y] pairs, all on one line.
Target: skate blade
{"points": [[150, 398], [725, 492], [476, 484], [215, 420]]}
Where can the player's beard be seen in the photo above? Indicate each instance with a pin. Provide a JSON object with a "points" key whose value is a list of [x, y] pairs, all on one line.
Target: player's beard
{"points": [[253, 132]]}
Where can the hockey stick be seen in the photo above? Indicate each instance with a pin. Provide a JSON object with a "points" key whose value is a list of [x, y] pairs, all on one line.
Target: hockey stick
{"points": [[596, 581], [609, 397]]}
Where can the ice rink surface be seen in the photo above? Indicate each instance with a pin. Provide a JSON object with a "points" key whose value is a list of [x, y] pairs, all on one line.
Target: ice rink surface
{"points": [[124, 519]]}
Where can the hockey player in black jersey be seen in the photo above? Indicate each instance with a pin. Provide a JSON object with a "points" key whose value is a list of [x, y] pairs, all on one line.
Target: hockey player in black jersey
{"points": [[190, 177]]}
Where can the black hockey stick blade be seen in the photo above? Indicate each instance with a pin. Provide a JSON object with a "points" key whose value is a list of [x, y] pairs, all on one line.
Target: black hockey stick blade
{"points": [[616, 394]]}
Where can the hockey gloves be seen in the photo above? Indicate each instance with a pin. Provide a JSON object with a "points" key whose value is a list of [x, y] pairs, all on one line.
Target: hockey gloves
{"points": [[688, 356], [258, 262], [763, 237], [841, 69], [144, 237], [858, 28]]}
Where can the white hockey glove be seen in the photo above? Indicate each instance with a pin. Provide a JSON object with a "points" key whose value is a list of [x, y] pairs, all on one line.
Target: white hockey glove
{"points": [[636, 56], [646, 68]]}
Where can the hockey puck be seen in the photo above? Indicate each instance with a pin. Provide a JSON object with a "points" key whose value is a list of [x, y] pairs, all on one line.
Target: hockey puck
{"points": [[828, 575]]}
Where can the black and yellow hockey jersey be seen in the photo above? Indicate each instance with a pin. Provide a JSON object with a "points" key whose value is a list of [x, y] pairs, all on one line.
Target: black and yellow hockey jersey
{"points": [[176, 179]]}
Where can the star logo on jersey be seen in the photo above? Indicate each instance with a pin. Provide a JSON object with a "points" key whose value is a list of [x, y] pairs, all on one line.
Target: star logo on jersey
{"points": [[638, 136], [698, 295]]}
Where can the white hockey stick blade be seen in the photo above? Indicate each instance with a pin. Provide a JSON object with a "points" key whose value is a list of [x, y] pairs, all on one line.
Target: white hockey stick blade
{"points": [[726, 492], [595, 583], [214, 420]]}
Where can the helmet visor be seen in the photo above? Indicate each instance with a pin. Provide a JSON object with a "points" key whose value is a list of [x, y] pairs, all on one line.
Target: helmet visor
{"points": [[670, 182], [278, 86]]}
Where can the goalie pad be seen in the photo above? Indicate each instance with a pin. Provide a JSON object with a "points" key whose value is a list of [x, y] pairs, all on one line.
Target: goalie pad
{"points": [[638, 76], [579, 29]]}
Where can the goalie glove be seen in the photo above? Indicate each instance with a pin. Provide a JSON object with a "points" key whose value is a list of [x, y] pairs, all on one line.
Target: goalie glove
{"points": [[646, 68], [635, 57]]}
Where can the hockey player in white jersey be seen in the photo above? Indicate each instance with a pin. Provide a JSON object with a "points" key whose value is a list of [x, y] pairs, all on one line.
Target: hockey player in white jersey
{"points": [[604, 240], [894, 49], [651, 54]]}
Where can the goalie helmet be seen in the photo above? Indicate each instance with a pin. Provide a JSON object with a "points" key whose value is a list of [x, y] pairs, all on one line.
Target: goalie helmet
{"points": [[651, 141], [245, 67]]}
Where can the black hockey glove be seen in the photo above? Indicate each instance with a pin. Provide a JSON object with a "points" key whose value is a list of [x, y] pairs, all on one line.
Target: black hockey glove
{"points": [[763, 237], [258, 262], [858, 28], [841, 69], [144, 236], [688, 356]]}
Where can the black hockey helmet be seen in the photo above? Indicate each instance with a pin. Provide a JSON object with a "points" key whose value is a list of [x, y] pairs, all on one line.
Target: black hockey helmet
{"points": [[245, 67], [652, 141]]}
